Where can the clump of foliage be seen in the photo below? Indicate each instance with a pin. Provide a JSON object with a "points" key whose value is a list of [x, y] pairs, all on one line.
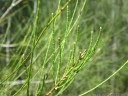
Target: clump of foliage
{"points": [[49, 47]]}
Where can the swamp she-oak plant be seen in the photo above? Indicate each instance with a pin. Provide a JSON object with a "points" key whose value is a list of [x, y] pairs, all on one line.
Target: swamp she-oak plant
{"points": [[42, 62]]}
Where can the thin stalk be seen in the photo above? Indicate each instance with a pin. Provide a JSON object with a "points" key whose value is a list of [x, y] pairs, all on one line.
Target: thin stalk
{"points": [[92, 89]]}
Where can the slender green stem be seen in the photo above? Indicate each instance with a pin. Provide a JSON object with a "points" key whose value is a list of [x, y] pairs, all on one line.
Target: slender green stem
{"points": [[104, 80]]}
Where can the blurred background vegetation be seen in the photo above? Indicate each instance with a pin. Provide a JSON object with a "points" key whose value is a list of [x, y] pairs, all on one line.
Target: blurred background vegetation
{"points": [[112, 52]]}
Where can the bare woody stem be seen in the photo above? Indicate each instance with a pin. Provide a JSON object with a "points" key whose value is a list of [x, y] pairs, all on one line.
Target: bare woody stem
{"points": [[13, 4]]}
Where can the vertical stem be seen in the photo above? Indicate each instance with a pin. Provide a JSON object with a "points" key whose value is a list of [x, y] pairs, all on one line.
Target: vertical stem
{"points": [[8, 43], [35, 7]]}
